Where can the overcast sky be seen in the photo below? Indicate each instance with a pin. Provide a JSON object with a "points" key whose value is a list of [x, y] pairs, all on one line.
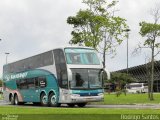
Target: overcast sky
{"points": [[29, 27]]}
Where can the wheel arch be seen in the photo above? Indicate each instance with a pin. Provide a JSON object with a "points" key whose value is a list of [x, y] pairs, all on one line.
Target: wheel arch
{"points": [[51, 91], [43, 92], [10, 95]]}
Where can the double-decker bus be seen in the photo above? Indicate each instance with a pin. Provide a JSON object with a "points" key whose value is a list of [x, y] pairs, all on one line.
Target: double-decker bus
{"points": [[68, 75]]}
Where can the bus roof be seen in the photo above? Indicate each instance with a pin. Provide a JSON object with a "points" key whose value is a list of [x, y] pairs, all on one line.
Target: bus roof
{"points": [[39, 60], [83, 47]]}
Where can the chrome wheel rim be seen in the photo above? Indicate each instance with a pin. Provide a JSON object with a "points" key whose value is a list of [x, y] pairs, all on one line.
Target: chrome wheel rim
{"points": [[44, 99], [53, 99], [16, 100]]}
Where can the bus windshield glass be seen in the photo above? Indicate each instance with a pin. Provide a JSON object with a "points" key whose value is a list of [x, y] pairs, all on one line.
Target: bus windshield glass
{"points": [[81, 56], [86, 79]]}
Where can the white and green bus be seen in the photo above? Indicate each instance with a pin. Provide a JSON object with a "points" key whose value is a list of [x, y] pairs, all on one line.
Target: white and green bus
{"points": [[68, 75]]}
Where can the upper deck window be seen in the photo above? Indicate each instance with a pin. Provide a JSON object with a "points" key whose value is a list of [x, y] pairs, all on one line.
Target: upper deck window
{"points": [[37, 61], [81, 56]]}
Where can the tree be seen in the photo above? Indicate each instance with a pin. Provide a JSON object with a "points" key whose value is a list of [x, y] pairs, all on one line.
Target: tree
{"points": [[151, 31], [0, 83], [98, 27], [121, 79]]}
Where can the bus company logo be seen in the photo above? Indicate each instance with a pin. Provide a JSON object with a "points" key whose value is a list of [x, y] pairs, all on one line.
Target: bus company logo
{"points": [[16, 76]]}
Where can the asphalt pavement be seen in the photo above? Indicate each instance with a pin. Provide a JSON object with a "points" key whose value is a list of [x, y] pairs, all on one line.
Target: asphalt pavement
{"points": [[136, 106]]}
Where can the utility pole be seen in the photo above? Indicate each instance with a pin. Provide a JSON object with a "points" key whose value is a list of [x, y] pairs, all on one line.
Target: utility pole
{"points": [[127, 31], [7, 56]]}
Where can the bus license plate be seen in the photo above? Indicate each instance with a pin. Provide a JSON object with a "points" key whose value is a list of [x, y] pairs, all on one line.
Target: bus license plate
{"points": [[88, 99]]}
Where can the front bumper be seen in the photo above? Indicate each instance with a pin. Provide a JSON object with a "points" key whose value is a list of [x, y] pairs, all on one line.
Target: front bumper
{"points": [[78, 99]]}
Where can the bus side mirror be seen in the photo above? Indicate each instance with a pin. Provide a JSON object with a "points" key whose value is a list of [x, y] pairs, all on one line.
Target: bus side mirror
{"points": [[107, 75]]}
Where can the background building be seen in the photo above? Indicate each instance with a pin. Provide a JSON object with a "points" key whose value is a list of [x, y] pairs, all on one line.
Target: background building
{"points": [[141, 74]]}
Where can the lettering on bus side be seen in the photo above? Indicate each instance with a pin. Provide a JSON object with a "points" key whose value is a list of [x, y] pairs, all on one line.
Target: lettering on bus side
{"points": [[16, 76]]}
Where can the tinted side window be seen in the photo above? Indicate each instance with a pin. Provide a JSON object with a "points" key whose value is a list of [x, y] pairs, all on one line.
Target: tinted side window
{"points": [[30, 82], [36, 82], [23, 84], [40, 60], [42, 82], [61, 68]]}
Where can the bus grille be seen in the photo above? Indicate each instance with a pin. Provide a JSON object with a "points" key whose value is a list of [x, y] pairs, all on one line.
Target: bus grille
{"points": [[88, 94]]}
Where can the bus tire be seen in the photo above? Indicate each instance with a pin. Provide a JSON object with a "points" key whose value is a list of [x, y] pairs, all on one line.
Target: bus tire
{"points": [[81, 104], [16, 101], [71, 104], [43, 99], [53, 101], [12, 99]]}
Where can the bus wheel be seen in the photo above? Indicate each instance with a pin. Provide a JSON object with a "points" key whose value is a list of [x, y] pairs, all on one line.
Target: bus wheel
{"points": [[81, 104], [52, 100], [44, 99], [12, 100], [71, 104], [16, 101]]}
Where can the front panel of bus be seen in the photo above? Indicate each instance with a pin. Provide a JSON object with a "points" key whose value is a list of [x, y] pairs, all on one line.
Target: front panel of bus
{"points": [[81, 77]]}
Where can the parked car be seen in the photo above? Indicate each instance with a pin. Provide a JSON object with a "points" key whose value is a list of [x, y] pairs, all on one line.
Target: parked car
{"points": [[137, 88]]}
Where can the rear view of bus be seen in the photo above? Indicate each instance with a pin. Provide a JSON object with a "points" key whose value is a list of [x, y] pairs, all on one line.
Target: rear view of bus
{"points": [[69, 75]]}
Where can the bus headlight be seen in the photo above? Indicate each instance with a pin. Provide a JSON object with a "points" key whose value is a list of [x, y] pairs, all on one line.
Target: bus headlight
{"points": [[101, 94]]}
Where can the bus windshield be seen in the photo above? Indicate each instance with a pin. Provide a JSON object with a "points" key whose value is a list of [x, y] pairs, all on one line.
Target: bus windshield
{"points": [[81, 56], [86, 79]]}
